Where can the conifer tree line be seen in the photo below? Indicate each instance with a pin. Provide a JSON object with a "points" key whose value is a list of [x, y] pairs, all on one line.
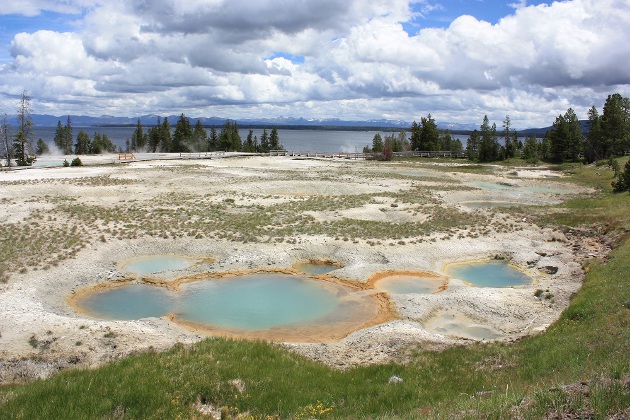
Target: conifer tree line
{"points": [[604, 136], [186, 138], [84, 145]]}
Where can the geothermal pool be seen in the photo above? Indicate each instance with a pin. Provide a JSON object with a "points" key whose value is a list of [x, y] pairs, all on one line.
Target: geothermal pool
{"points": [[278, 306], [128, 302], [155, 264], [256, 301], [495, 273], [245, 305]]}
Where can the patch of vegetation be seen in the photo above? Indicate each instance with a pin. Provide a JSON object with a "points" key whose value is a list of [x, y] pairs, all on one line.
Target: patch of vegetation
{"points": [[579, 367]]}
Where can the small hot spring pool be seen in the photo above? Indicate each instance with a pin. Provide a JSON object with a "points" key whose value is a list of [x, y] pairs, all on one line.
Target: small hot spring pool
{"points": [[157, 263], [128, 302], [253, 302], [495, 273]]}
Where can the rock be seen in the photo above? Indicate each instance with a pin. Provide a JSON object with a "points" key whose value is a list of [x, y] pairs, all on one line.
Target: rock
{"points": [[395, 380], [550, 269]]}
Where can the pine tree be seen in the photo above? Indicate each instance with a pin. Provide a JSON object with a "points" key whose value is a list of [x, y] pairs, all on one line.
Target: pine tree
{"points": [[264, 142], [59, 136], [489, 144], [415, 136], [42, 148], [182, 135], [429, 134], [199, 138], [249, 147], [165, 136], [23, 143], [83, 145], [225, 137], [154, 137], [616, 124], [68, 138], [472, 145], [622, 183], [213, 140], [274, 140], [510, 145], [575, 139], [377, 143], [237, 144], [4, 137], [531, 150], [138, 139], [594, 147]]}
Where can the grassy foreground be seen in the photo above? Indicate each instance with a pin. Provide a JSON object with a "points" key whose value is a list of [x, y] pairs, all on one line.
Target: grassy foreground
{"points": [[580, 366]]}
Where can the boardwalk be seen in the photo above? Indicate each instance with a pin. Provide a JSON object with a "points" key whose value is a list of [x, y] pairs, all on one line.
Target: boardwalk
{"points": [[344, 155]]}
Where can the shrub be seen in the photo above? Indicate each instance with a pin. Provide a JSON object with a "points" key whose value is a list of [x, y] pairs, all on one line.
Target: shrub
{"points": [[76, 162], [622, 181]]}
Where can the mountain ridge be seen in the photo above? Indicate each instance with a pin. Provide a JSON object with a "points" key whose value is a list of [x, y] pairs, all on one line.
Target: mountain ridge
{"points": [[82, 121]]}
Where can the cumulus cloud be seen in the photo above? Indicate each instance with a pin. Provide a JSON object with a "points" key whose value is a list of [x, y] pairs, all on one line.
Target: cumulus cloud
{"points": [[352, 59]]}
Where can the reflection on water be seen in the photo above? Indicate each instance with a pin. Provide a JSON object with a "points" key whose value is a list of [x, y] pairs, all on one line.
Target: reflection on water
{"points": [[157, 263], [252, 302], [255, 302], [132, 301]]}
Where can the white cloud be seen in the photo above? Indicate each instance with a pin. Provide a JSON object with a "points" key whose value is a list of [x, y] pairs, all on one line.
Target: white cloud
{"points": [[207, 56], [36, 7]]}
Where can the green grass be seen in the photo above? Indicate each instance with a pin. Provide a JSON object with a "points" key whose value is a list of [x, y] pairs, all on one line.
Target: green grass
{"points": [[528, 378]]}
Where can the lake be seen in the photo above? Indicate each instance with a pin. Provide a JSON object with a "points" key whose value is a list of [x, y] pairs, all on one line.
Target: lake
{"points": [[330, 141]]}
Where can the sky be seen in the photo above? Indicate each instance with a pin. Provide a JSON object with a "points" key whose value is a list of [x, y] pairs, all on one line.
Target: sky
{"points": [[349, 59]]}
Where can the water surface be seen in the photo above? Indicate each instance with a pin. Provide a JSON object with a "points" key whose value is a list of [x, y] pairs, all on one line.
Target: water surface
{"points": [[495, 273], [129, 302], [157, 263], [255, 302]]}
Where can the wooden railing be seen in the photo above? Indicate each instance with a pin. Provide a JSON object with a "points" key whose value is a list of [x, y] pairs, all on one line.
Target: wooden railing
{"points": [[357, 155], [200, 155], [126, 156]]}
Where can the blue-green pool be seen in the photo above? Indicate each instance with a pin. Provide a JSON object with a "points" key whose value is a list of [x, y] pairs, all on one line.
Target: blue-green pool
{"points": [[495, 273], [255, 302], [128, 302], [249, 302]]}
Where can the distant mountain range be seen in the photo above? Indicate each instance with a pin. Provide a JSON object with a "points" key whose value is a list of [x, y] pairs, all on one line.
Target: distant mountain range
{"points": [[280, 122], [149, 120]]}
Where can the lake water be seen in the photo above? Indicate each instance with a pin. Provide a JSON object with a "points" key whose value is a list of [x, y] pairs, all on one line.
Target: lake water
{"points": [[330, 141]]}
